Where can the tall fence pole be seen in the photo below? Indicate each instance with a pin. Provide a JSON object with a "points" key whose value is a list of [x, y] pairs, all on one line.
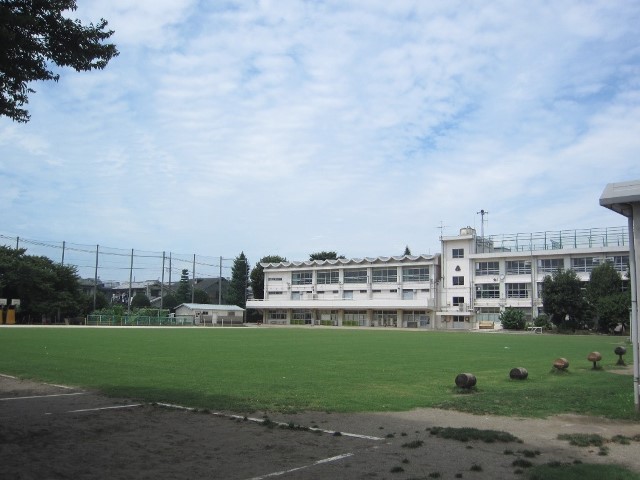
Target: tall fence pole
{"points": [[162, 283], [63, 245], [95, 278], [220, 283], [130, 280], [193, 276]]}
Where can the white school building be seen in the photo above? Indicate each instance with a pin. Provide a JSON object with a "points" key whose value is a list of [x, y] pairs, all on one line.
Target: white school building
{"points": [[464, 287]]}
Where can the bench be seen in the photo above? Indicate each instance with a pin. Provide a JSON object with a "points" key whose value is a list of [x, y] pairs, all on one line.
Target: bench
{"points": [[485, 325], [535, 329]]}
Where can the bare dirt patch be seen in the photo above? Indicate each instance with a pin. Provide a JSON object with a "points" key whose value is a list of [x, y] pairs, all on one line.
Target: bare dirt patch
{"points": [[83, 435]]}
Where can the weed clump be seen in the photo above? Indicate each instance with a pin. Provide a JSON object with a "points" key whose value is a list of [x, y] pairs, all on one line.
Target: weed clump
{"points": [[413, 444], [467, 434]]}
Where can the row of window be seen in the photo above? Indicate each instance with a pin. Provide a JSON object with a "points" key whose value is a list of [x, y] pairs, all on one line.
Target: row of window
{"points": [[383, 317], [492, 290], [550, 265], [348, 294], [378, 275], [512, 290]]}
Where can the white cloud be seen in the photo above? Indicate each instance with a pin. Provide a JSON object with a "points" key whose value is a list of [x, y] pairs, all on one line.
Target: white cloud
{"points": [[288, 127]]}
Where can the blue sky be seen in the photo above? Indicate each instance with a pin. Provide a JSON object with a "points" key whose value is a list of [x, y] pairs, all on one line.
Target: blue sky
{"points": [[289, 127]]}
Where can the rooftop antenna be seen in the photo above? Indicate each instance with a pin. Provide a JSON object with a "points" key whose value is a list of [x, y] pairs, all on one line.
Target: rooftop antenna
{"points": [[482, 214], [442, 227]]}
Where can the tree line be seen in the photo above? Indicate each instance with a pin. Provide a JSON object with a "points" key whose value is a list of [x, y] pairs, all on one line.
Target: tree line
{"points": [[47, 289], [602, 304]]}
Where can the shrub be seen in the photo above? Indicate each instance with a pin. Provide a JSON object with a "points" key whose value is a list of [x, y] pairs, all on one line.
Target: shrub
{"points": [[512, 319], [542, 320]]}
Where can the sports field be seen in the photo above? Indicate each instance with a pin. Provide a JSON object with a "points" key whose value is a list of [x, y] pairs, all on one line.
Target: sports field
{"points": [[338, 370]]}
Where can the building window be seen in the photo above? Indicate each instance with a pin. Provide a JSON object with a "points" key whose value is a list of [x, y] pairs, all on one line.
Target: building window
{"points": [[327, 276], [354, 319], [328, 317], [517, 290], [487, 268], [301, 317], [518, 267], [550, 265], [296, 295], [458, 281], [415, 274], [385, 275], [302, 278], [275, 293], [416, 319], [619, 262], [386, 319], [274, 279], [355, 276], [407, 294], [347, 295], [488, 290], [584, 264], [277, 315], [457, 301], [457, 253]]}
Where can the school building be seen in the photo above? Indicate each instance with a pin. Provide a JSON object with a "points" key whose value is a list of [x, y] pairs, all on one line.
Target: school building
{"points": [[466, 286]]}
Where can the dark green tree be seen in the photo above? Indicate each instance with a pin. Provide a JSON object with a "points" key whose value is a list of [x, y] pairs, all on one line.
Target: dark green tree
{"points": [[512, 319], [563, 299], [607, 300], [34, 35], [324, 256], [200, 296], [407, 251], [257, 274], [169, 301], [44, 288], [101, 302], [183, 293], [237, 293], [140, 300]]}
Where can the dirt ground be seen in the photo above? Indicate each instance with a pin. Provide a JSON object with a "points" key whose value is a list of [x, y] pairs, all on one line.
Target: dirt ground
{"points": [[57, 432]]}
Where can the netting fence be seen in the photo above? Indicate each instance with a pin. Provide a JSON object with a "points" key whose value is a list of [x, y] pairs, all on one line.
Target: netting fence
{"points": [[121, 266]]}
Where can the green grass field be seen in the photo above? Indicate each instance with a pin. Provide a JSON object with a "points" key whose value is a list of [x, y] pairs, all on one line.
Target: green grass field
{"points": [[248, 369]]}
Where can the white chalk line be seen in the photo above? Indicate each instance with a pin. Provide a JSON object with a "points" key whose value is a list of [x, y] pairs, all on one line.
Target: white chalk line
{"points": [[50, 384], [319, 462], [115, 407], [60, 386], [280, 424], [43, 396]]}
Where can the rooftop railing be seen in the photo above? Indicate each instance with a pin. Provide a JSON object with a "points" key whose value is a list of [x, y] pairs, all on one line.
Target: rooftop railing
{"points": [[555, 240]]}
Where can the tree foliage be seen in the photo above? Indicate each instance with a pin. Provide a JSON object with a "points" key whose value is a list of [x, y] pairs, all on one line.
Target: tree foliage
{"points": [[563, 299], [44, 288], [101, 302], [257, 275], [324, 256], [512, 319], [140, 300], [169, 301], [183, 293], [200, 296], [237, 294], [607, 300], [407, 251], [34, 35]]}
